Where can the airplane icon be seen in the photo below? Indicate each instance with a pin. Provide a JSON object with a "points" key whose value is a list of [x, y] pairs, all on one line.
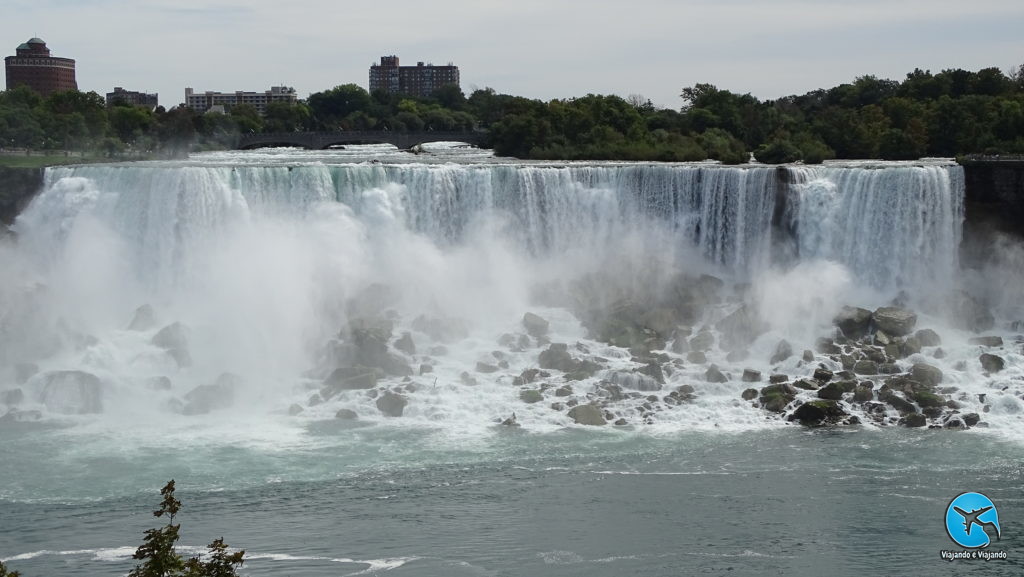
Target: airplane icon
{"points": [[972, 519]]}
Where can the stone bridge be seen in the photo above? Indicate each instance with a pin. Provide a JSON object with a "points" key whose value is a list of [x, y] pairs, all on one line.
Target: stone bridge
{"points": [[321, 140]]}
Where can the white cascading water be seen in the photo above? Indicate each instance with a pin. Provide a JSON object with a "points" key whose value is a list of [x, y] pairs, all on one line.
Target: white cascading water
{"points": [[261, 258]]}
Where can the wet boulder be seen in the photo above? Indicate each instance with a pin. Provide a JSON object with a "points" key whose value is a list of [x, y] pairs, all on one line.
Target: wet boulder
{"points": [[392, 404], [557, 357], [895, 321], [865, 367], [72, 393], [173, 338], [783, 351], [740, 329], [217, 396], [348, 379], [535, 325], [926, 374], [715, 375], [913, 420], [143, 319], [992, 363], [531, 396], [590, 415], [990, 341], [634, 381], [834, 391], [928, 338], [703, 342], [817, 413], [406, 344], [854, 322], [346, 415], [751, 376]]}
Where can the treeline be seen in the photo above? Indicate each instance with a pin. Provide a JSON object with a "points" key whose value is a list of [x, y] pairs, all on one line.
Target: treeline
{"points": [[946, 114]]}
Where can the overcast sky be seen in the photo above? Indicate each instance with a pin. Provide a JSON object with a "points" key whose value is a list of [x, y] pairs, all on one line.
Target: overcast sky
{"points": [[537, 48]]}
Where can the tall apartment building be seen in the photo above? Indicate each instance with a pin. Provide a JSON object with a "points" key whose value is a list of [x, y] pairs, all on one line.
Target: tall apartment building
{"points": [[203, 101], [119, 94], [33, 66], [420, 80]]}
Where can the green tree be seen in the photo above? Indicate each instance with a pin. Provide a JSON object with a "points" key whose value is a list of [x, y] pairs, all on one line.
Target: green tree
{"points": [[220, 562], [4, 572], [329, 107], [159, 559]]}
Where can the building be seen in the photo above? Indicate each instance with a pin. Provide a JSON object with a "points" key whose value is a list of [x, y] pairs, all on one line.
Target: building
{"points": [[420, 80], [131, 97], [33, 66], [204, 101]]}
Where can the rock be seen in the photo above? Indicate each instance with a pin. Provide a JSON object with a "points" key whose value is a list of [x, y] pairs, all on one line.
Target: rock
{"points": [[563, 391], [535, 325], [295, 409], [557, 357], [865, 367], [702, 342], [392, 404], [72, 393], [697, 357], [19, 416], [832, 391], [159, 383], [751, 376], [467, 379], [523, 342], [775, 398], [749, 394], [713, 375], [927, 399], [12, 397], [314, 400], [634, 381], [882, 339], [895, 321], [585, 369], [426, 368], [993, 342], [808, 356], [939, 354], [740, 329], [621, 423], [897, 402], [826, 346], [587, 415], [406, 344], [971, 314], [863, 394], [487, 368], [910, 346], [807, 384], [349, 379], [143, 319], [346, 415], [24, 371], [219, 395], [854, 322], [174, 339], [971, 419], [926, 374], [511, 422], [680, 345], [992, 363], [928, 338], [776, 379], [783, 351], [823, 375], [531, 396], [816, 413], [914, 420]]}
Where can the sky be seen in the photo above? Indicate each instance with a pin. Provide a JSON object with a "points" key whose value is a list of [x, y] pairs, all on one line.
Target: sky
{"points": [[535, 48]]}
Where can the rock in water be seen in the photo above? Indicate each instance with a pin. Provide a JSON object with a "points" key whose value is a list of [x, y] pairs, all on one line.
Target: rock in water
{"points": [[740, 329], [751, 376], [72, 393], [531, 396], [926, 374], [143, 319], [406, 344], [219, 395], [174, 339], [895, 321], [928, 338], [853, 321], [714, 375], [535, 325], [587, 415], [634, 381], [993, 342], [351, 378], [346, 415], [557, 357], [815, 413], [392, 404], [992, 363], [783, 351]]}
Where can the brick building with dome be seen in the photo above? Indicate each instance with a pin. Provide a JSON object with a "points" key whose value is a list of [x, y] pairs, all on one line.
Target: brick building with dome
{"points": [[33, 66]]}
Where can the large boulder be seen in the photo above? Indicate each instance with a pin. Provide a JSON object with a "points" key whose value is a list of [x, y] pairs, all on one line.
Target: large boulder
{"points": [[895, 321], [926, 374], [816, 413], [406, 344], [740, 329], [392, 404], [219, 395], [536, 326], [587, 415], [173, 338], [992, 363], [928, 338], [989, 341], [72, 393], [557, 357], [143, 319], [783, 351], [853, 321], [348, 379], [714, 375]]}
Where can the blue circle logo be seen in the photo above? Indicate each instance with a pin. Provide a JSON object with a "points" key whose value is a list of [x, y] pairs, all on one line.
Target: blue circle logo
{"points": [[972, 520]]}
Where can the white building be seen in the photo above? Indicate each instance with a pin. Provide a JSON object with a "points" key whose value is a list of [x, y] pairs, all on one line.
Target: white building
{"points": [[204, 101]]}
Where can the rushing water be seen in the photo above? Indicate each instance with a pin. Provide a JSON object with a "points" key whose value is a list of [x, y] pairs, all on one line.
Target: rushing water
{"points": [[263, 257]]}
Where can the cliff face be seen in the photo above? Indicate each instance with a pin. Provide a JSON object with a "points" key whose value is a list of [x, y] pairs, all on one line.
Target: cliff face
{"points": [[995, 195], [17, 187]]}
